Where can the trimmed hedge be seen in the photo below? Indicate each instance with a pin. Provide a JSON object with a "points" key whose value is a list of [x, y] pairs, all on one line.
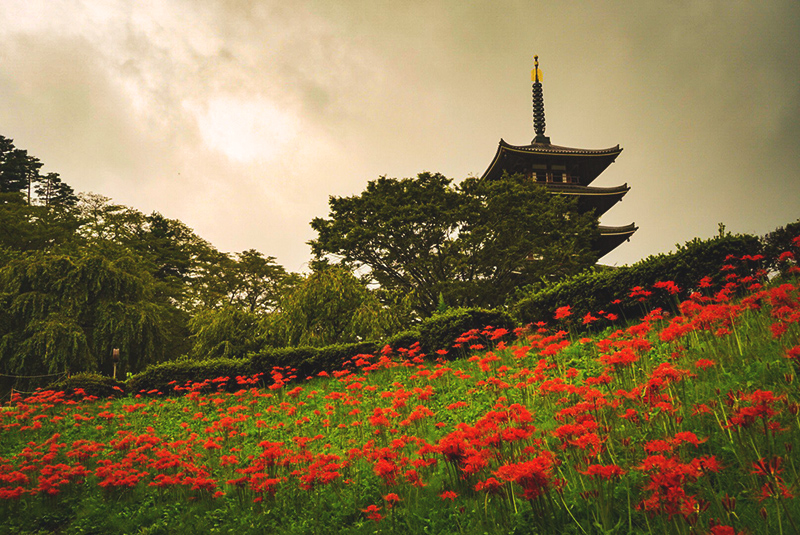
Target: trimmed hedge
{"points": [[92, 384], [163, 377], [307, 360], [437, 332], [592, 291], [441, 331]]}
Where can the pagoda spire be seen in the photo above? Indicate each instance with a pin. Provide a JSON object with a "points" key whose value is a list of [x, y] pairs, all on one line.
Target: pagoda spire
{"points": [[538, 104]]}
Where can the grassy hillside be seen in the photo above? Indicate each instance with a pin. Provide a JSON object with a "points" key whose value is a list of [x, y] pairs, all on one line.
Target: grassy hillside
{"points": [[683, 422]]}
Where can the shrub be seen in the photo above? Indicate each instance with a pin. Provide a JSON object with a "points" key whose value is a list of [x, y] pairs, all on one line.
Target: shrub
{"points": [[163, 377], [441, 331], [307, 361], [779, 241], [92, 384], [595, 290], [404, 339], [437, 332]]}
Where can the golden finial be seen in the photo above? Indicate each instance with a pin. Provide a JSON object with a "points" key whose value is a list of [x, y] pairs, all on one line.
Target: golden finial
{"points": [[536, 74]]}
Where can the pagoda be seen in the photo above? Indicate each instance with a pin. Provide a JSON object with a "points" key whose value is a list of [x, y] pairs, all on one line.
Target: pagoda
{"points": [[564, 170]]}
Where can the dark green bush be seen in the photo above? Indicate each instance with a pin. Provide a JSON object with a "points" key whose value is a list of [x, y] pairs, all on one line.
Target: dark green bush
{"points": [[165, 376], [779, 241], [441, 331], [92, 384], [437, 332], [307, 361], [404, 339], [595, 290]]}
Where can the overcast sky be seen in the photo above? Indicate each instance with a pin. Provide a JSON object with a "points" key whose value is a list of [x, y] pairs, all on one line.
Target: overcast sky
{"points": [[241, 118]]}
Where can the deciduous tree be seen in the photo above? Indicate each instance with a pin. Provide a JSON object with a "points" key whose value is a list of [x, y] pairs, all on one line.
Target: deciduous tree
{"points": [[473, 243]]}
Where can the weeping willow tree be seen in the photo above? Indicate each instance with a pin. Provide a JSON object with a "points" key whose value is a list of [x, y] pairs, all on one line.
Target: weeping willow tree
{"points": [[330, 306], [229, 331], [65, 313]]}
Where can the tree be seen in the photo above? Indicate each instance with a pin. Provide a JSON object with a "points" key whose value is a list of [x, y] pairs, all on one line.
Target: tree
{"points": [[473, 243], [228, 331], [330, 306], [179, 260], [52, 191], [65, 313], [257, 281], [18, 171]]}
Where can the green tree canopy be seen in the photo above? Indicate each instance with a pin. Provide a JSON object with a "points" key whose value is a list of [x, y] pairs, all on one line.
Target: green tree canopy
{"points": [[329, 306], [65, 313], [474, 243]]}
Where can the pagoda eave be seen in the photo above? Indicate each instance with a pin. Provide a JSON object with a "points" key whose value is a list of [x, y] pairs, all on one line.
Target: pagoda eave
{"points": [[611, 237], [591, 198], [587, 164]]}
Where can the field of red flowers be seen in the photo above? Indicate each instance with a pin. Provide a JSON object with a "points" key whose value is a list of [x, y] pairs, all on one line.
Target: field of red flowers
{"points": [[682, 422]]}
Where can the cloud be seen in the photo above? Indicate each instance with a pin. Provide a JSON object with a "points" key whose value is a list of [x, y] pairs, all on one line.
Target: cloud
{"points": [[240, 118]]}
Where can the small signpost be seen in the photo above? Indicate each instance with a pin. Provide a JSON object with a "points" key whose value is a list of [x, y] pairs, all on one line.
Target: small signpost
{"points": [[115, 358]]}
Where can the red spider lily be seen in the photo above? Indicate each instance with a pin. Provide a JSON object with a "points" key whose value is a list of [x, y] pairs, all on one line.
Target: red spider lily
{"points": [[448, 495], [670, 286], [534, 476], [606, 472], [391, 500], [702, 364], [762, 402], [386, 470], [413, 478], [640, 293], [563, 312], [687, 436], [667, 486], [490, 486], [588, 318], [768, 468], [373, 513]]}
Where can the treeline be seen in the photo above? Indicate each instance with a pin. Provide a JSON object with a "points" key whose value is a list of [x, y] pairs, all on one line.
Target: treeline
{"points": [[81, 276]]}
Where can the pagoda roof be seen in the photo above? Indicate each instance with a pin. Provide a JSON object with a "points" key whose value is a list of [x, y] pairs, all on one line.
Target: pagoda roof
{"points": [[513, 158], [577, 189], [591, 198], [611, 237], [549, 148]]}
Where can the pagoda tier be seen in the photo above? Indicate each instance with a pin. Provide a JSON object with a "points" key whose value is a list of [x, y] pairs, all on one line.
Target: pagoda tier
{"points": [[590, 198], [611, 237], [551, 163]]}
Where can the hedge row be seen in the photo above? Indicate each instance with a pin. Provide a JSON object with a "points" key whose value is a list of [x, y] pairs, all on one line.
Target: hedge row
{"points": [[593, 291], [306, 360], [437, 332], [442, 330], [92, 384]]}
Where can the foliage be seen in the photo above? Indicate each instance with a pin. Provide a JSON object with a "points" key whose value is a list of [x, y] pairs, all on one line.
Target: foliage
{"points": [[308, 361], [473, 244], [62, 313], [305, 361], [257, 282], [226, 332], [89, 384], [442, 331], [18, 171], [164, 376], [780, 241], [329, 306], [596, 290], [25, 227]]}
